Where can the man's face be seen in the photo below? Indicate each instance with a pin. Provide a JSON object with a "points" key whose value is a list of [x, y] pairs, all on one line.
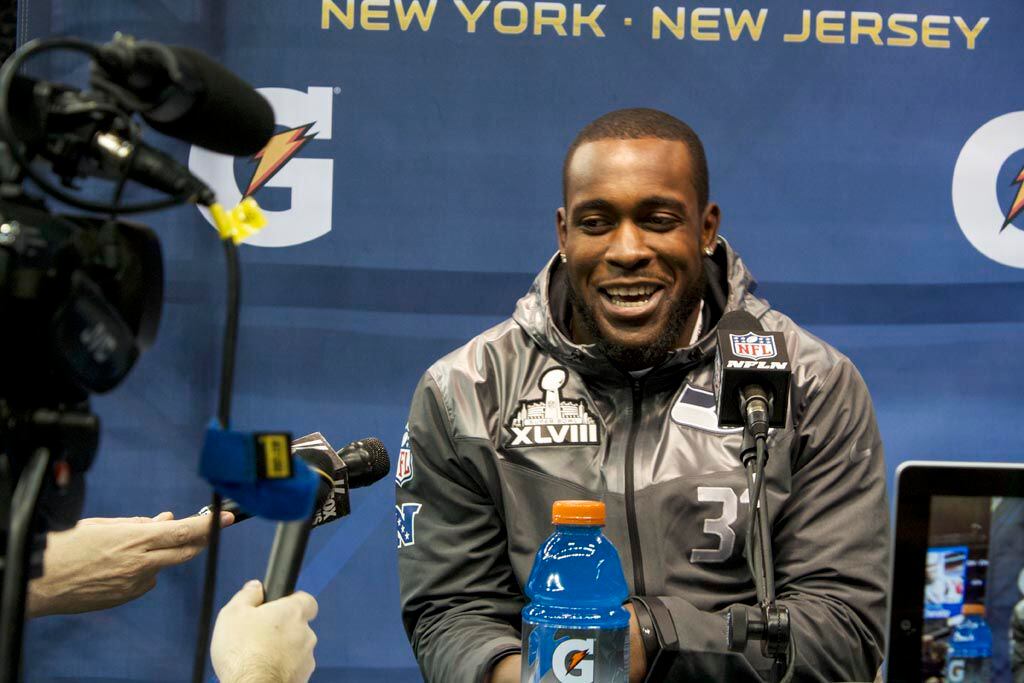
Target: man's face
{"points": [[633, 240]]}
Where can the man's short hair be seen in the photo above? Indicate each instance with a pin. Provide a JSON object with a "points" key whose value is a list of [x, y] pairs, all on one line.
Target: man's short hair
{"points": [[635, 124]]}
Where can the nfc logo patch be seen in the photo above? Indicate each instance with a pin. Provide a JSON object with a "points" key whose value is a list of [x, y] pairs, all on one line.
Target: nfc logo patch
{"points": [[405, 523]]}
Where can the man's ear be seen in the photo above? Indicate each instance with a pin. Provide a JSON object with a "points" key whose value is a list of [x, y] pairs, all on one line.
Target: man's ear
{"points": [[709, 227], [561, 229]]}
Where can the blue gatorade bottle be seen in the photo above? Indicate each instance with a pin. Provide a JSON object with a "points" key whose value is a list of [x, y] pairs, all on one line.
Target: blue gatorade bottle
{"points": [[575, 628], [970, 648]]}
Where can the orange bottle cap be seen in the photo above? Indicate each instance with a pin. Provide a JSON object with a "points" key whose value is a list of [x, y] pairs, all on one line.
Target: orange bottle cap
{"points": [[972, 608], [581, 512]]}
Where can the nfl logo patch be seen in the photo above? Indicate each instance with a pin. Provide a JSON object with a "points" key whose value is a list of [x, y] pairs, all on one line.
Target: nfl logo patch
{"points": [[404, 471], [753, 345]]}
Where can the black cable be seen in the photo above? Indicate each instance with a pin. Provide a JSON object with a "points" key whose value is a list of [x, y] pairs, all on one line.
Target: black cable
{"points": [[767, 561], [8, 71], [227, 373], [754, 558], [15, 581]]}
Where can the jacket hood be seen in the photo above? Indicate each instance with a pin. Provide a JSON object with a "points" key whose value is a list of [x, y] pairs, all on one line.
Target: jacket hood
{"points": [[544, 312]]}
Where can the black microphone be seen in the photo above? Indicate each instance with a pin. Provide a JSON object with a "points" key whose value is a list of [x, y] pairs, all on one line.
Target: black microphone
{"points": [[752, 374], [369, 462], [291, 537], [151, 167], [72, 130], [359, 464], [184, 93]]}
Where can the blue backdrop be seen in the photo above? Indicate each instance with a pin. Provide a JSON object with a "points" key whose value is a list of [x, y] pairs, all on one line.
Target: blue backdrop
{"points": [[421, 208]]}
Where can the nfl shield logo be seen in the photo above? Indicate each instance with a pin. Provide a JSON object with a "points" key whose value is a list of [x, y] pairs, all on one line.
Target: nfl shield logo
{"points": [[404, 472], [753, 345]]}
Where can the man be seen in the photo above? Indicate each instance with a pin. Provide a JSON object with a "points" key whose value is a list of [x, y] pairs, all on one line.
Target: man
{"points": [[601, 386]]}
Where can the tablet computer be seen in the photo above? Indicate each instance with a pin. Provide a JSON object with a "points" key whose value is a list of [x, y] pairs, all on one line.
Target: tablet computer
{"points": [[957, 574]]}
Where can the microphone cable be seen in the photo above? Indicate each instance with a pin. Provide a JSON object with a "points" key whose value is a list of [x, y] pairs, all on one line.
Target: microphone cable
{"points": [[227, 375]]}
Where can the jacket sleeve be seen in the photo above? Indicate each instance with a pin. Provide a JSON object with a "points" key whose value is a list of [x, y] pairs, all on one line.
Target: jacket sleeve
{"points": [[1017, 643], [830, 543], [460, 600]]}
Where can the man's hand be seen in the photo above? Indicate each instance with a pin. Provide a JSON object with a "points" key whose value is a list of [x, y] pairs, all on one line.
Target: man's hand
{"points": [[637, 654], [507, 670], [105, 562], [264, 643]]}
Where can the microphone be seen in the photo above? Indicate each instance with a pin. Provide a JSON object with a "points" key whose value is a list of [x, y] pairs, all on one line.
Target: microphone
{"points": [[358, 464], [291, 537], [752, 374], [369, 462], [185, 94], [75, 133]]}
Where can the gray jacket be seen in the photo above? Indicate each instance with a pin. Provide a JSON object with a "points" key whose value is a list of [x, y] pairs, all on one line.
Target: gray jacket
{"points": [[1017, 643], [520, 417]]}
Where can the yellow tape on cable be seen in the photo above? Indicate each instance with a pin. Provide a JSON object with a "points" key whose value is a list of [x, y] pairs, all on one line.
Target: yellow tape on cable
{"points": [[241, 222]]}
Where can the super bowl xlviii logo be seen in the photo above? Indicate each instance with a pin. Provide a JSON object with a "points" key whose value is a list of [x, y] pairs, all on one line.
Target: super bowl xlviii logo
{"points": [[552, 421], [988, 189], [306, 115], [753, 345]]}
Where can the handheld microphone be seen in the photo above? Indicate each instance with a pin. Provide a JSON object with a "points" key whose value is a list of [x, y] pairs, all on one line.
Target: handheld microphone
{"points": [[369, 461], [752, 373], [290, 540], [358, 464], [184, 93]]}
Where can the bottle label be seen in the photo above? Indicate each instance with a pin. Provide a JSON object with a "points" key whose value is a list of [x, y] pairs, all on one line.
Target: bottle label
{"points": [[968, 670], [574, 655]]}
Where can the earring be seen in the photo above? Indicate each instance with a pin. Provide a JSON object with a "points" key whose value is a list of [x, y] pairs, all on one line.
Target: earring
{"points": [[709, 250], [562, 256]]}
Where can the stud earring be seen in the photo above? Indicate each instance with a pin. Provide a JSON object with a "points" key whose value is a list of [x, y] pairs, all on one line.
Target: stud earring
{"points": [[709, 250], [562, 256]]}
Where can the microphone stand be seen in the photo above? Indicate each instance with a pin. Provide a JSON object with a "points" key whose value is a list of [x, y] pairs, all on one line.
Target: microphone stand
{"points": [[773, 627]]}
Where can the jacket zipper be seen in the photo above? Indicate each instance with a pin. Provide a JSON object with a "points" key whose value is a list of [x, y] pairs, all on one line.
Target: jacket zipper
{"points": [[631, 524]]}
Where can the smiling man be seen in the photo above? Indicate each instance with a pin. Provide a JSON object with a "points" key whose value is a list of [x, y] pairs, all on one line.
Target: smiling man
{"points": [[601, 386]]}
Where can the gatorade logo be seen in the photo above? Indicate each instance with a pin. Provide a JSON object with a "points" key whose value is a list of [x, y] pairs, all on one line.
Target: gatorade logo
{"points": [[573, 661], [310, 180]]}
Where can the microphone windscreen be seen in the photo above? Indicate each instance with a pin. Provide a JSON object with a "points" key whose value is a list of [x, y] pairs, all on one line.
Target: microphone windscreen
{"points": [[228, 116], [739, 321]]}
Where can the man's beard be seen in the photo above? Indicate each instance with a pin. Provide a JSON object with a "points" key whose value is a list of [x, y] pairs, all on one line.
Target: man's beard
{"points": [[642, 357]]}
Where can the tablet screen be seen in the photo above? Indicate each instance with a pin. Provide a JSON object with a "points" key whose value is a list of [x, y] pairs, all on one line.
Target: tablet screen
{"points": [[973, 626]]}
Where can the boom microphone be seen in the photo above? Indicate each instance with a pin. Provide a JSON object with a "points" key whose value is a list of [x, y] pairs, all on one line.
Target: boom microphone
{"points": [[183, 93], [752, 374], [71, 130]]}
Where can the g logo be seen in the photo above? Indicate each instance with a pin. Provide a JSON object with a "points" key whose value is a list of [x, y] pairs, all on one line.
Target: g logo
{"points": [[573, 661], [311, 181], [975, 200]]}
